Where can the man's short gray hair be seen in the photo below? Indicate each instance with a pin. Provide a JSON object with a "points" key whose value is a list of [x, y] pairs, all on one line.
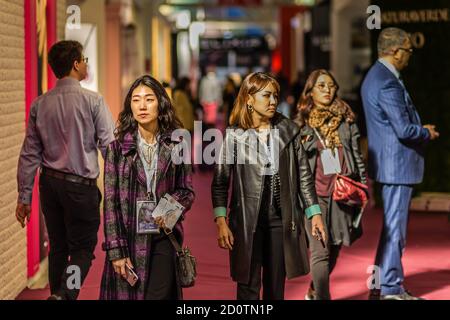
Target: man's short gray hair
{"points": [[391, 38]]}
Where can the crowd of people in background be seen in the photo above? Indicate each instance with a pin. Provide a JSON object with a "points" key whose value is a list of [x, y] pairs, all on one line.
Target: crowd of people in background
{"points": [[214, 100]]}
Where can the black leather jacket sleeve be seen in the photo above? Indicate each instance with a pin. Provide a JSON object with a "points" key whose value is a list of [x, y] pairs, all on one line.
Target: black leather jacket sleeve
{"points": [[306, 179], [359, 161], [222, 177]]}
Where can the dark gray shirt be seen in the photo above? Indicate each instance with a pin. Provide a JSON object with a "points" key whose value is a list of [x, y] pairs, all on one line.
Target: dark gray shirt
{"points": [[66, 127]]}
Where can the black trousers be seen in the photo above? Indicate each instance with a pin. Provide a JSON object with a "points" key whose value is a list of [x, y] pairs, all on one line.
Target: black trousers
{"points": [[72, 217], [267, 255], [162, 278]]}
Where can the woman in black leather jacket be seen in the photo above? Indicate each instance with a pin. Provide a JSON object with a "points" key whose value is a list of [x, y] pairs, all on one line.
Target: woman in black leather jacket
{"points": [[326, 119], [263, 156]]}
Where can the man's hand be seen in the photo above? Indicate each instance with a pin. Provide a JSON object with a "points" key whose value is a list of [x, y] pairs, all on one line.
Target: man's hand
{"points": [[318, 227], [23, 211], [225, 236], [432, 129]]}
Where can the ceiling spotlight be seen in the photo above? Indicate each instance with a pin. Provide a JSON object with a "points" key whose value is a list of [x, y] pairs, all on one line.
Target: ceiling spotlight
{"points": [[166, 10]]}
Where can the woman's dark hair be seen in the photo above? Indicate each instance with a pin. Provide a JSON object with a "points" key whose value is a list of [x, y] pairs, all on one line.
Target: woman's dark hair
{"points": [[306, 103], [167, 120], [62, 55]]}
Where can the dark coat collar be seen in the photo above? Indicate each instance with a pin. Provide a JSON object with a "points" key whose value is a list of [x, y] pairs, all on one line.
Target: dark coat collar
{"points": [[288, 130], [306, 130], [308, 137]]}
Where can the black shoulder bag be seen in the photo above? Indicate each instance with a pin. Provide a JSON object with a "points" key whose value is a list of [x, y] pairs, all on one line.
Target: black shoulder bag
{"points": [[186, 265]]}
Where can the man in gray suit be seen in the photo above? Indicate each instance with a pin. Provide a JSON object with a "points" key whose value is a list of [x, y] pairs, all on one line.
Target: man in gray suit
{"points": [[396, 152]]}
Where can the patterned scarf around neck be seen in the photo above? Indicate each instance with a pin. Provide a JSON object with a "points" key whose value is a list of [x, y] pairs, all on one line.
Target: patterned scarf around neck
{"points": [[327, 121]]}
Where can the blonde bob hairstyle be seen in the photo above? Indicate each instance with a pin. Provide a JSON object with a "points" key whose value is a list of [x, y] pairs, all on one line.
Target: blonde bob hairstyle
{"points": [[253, 83]]}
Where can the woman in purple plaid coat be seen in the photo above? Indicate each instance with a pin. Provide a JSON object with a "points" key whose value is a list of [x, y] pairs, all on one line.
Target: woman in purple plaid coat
{"points": [[139, 169]]}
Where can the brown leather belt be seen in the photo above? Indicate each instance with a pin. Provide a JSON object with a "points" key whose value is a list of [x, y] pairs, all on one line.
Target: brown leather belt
{"points": [[68, 177]]}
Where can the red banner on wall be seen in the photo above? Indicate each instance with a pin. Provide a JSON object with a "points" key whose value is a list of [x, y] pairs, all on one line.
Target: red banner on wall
{"points": [[38, 79], [31, 92]]}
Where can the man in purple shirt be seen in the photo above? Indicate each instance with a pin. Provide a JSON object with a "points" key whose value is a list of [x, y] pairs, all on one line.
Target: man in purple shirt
{"points": [[66, 127]]}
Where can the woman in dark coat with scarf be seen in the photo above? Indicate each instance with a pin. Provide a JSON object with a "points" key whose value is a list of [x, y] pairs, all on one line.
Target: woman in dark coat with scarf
{"points": [[324, 118], [265, 229], [139, 167]]}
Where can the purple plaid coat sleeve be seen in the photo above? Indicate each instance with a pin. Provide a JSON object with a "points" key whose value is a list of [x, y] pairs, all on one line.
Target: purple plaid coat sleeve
{"points": [[115, 243]]}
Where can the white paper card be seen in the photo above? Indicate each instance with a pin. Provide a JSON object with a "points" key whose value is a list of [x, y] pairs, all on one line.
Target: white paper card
{"points": [[330, 162], [169, 209]]}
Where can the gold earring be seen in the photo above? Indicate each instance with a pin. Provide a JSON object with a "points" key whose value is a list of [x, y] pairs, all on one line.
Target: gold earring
{"points": [[250, 108]]}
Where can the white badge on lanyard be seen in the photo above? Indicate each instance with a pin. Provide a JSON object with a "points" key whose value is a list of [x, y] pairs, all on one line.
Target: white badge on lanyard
{"points": [[144, 216], [144, 213], [330, 161], [145, 221]]}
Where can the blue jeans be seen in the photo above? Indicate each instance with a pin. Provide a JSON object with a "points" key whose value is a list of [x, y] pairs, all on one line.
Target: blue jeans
{"points": [[396, 200]]}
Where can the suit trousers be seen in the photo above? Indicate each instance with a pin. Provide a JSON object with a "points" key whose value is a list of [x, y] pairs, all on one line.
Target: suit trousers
{"points": [[396, 200], [72, 217]]}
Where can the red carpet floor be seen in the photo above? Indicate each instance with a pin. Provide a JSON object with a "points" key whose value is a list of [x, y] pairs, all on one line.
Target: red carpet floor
{"points": [[426, 260]]}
